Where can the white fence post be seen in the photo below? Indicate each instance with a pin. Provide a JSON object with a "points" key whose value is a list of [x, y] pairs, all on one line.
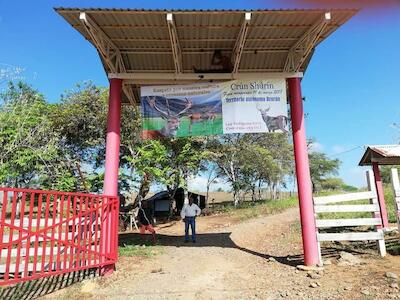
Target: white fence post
{"points": [[396, 194], [372, 188], [337, 204]]}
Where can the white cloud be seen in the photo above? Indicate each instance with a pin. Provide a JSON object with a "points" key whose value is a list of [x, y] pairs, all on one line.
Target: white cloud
{"points": [[315, 147], [355, 176], [339, 148], [197, 183]]}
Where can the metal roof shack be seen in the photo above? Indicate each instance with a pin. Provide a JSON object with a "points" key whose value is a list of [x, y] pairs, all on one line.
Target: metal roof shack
{"points": [[145, 47], [381, 154]]}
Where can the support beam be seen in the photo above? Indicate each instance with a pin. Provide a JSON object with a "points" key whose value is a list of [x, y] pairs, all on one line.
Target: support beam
{"points": [[381, 197], [110, 187], [299, 52], [307, 218], [176, 48], [240, 42], [173, 78], [107, 49]]}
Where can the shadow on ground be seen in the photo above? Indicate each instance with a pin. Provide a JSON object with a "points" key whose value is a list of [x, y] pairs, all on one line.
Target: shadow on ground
{"points": [[43, 286], [219, 240], [34, 289], [223, 240]]}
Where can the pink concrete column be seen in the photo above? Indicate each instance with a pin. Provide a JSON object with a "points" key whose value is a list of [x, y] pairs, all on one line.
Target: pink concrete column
{"points": [[381, 197], [110, 187], [304, 186]]}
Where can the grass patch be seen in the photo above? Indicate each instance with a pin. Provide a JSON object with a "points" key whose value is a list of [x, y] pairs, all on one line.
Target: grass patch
{"points": [[249, 210], [140, 250], [199, 128], [389, 201]]}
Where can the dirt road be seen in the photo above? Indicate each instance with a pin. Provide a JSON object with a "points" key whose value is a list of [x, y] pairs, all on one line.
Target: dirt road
{"points": [[255, 259]]}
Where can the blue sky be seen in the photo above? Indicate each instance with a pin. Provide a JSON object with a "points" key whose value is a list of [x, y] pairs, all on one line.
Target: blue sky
{"points": [[350, 86]]}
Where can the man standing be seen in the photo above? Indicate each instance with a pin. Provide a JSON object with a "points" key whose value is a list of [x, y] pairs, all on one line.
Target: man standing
{"points": [[145, 216], [189, 213]]}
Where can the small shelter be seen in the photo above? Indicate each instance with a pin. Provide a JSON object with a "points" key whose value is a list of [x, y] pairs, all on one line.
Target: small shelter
{"points": [[160, 202], [374, 156]]}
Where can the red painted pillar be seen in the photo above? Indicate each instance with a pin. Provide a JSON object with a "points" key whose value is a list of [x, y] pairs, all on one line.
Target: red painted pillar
{"points": [[304, 186], [110, 187], [113, 139], [381, 197]]}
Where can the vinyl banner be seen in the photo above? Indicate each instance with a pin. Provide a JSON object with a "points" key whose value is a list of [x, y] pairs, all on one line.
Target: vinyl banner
{"points": [[237, 106]]}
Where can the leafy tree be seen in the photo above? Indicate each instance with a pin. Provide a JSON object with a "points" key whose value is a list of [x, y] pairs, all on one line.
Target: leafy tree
{"points": [[212, 177], [225, 152], [386, 173], [167, 162], [246, 160], [334, 183], [321, 167], [81, 120], [29, 146]]}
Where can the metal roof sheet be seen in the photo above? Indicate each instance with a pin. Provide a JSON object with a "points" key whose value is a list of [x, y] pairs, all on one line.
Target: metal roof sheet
{"points": [[143, 37], [381, 154]]}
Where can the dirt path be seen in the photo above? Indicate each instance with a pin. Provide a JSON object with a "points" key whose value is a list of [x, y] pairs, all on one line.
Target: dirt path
{"points": [[255, 259]]}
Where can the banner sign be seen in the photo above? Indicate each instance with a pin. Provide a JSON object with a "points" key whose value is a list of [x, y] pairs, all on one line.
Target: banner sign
{"points": [[237, 106]]}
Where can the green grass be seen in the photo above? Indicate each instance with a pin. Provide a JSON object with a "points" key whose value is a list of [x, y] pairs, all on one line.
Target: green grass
{"points": [[249, 210], [198, 128], [140, 251], [389, 201]]}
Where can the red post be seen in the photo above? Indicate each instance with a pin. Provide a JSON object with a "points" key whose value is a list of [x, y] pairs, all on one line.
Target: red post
{"points": [[381, 197], [111, 166], [304, 186], [113, 139]]}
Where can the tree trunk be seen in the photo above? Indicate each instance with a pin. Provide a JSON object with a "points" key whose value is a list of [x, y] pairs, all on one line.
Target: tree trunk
{"points": [[253, 193], [84, 183], [207, 192], [235, 198], [143, 190]]}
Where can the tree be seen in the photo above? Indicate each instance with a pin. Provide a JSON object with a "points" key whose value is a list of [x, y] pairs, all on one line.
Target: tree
{"points": [[212, 177], [29, 146], [60, 146], [80, 119], [386, 174], [321, 167], [276, 172], [332, 183], [225, 152], [246, 160], [168, 162]]}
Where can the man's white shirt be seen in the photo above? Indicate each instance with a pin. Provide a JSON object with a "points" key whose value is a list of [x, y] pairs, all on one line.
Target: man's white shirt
{"points": [[190, 210]]}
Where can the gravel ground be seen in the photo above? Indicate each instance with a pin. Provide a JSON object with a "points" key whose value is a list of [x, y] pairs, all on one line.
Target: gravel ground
{"points": [[255, 259]]}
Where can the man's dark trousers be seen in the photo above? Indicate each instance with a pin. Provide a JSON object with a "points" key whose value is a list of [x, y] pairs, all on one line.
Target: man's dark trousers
{"points": [[192, 222]]}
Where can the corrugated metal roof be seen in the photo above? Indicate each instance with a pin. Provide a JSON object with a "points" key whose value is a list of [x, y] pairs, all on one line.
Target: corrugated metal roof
{"points": [[143, 37], [381, 154]]}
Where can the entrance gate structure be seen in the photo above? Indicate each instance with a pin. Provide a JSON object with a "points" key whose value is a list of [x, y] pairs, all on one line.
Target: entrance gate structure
{"points": [[148, 47], [155, 47]]}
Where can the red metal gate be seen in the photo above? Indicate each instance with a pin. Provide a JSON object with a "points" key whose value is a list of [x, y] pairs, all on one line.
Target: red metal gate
{"points": [[44, 233]]}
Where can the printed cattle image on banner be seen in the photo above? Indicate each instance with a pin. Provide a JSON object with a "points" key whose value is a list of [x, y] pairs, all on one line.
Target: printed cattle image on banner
{"points": [[235, 106]]}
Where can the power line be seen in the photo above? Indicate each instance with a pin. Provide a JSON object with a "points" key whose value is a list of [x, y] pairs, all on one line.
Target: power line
{"points": [[346, 151]]}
